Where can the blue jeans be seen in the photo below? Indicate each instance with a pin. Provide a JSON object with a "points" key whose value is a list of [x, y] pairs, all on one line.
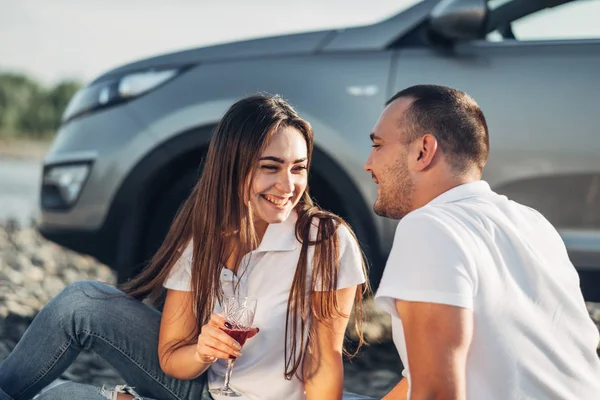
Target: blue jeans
{"points": [[71, 390], [93, 316]]}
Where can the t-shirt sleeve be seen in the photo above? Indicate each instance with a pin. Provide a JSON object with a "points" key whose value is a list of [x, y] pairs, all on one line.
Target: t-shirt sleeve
{"points": [[350, 271], [180, 277], [429, 263]]}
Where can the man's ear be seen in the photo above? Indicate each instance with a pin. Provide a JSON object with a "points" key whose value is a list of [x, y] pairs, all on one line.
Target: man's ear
{"points": [[425, 150]]}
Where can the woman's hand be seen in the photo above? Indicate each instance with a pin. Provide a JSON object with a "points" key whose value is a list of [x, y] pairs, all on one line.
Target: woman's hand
{"points": [[214, 343]]}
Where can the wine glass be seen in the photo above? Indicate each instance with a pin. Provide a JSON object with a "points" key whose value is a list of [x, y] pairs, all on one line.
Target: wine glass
{"points": [[239, 315]]}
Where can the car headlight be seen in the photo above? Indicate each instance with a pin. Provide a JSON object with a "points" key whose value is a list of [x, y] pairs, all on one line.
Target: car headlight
{"points": [[62, 184], [117, 90]]}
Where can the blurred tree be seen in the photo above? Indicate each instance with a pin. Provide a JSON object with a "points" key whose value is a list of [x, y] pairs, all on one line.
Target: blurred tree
{"points": [[27, 109], [60, 94], [16, 93]]}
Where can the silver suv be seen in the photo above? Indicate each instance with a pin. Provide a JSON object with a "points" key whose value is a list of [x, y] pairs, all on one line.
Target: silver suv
{"points": [[131, 142]]}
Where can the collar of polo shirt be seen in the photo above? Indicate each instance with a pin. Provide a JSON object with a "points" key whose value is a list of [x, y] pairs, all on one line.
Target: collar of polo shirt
{"points": [[462, 192], [281, 236]]}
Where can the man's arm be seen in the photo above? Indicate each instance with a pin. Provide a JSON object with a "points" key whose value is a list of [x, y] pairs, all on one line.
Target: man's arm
{"points": [[437, 339]]}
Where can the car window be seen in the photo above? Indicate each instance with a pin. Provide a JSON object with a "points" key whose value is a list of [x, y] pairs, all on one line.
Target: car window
{"points": [[575, 20]]}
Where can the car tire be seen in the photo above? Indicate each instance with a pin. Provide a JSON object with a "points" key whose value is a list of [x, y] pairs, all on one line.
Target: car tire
{"points": [[161, 216]]}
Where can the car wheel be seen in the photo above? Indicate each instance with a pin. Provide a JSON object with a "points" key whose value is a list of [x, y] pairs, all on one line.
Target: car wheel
{"points": [[161, 215]]}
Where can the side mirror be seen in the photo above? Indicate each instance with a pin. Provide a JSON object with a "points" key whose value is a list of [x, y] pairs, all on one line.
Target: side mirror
{"points": [[459, 19]]}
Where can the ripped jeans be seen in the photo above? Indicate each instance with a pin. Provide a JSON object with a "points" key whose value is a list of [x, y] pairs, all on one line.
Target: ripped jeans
{"points": [[79, 391], [93, 316]]}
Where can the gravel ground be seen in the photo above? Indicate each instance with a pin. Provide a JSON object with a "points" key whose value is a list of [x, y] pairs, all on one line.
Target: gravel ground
{"points": [[33, 270]]}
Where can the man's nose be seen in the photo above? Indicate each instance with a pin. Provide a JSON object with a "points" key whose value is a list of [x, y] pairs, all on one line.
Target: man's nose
{"points": [[367, 166]]}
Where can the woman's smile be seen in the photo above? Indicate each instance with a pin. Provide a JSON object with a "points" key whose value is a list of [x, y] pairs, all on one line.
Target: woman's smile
{"points": [[277, 201]]}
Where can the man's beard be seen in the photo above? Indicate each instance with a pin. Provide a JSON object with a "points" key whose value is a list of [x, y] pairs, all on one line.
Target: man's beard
{"points": [[395, 199]]}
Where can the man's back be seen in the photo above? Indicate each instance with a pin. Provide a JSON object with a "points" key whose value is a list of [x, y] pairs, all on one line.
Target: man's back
{"points": [[531, 327], [532, 337]]}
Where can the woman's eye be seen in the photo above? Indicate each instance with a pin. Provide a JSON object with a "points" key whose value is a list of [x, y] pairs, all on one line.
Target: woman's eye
{"points": [[300, 168], [270, 167]]}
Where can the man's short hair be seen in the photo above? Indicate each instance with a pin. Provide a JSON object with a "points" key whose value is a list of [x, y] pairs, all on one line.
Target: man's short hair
{"points": [[453, 118]]}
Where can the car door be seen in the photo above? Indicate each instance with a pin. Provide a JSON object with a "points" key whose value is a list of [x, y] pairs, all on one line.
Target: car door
{"points": [[536, 77]]}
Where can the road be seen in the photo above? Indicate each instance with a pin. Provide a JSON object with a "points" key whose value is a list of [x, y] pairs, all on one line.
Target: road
{"points": [[19, 189]]}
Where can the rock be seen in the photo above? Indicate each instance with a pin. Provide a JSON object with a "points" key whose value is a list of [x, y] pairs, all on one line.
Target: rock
{"points": [[24, 261], [374, 371], [376, 324], [71, 275], [33, 271], [34, 274], [31, 302], [11, 226], [3, 239], [40, 257], [13, 276], [20, 309], [10, 260], [25, 239], [52, 286]]}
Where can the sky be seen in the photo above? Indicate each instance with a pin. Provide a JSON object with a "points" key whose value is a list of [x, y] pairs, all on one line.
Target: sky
{"points": [[51, 40], [55, 39]]}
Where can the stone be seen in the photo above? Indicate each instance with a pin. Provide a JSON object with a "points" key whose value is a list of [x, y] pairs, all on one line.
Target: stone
{"points": [[13, 276], [53, 286], [38, 258], [20, 309], [11, 226], [25, 256], [34, 274], [31, 302], [10, 259], [70, 275], [383, 380], [25, 238], [4, 239]]}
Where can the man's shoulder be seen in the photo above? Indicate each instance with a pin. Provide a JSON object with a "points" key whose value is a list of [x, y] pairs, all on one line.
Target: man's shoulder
{"points": [[431, 216], [426, 224]]}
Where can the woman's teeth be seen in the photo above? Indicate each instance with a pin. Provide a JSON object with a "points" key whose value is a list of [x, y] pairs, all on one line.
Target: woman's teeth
{"points": [[275, 200]]}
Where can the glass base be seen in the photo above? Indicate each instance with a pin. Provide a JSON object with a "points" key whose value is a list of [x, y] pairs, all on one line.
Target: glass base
{"points": [[225, 391]]}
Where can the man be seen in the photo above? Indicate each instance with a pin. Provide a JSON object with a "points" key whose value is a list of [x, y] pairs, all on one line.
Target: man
{"points": [[485, 303]]}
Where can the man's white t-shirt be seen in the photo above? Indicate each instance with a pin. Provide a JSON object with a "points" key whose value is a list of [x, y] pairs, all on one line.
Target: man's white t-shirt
{"points": [[266, 274], [472, 248]]}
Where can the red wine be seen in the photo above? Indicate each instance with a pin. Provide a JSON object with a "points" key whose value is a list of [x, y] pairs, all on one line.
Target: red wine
{"points": [[239, 335]]}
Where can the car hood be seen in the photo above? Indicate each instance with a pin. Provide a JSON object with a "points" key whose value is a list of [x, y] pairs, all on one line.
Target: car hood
{"points": [[295, 44], [372, 37]]}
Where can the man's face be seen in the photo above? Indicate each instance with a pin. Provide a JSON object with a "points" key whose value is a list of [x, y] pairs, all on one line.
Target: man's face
{"points": [[388, 163]]}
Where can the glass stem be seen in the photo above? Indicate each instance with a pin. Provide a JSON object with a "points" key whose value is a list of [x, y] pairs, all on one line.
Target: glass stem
{"points": [[230, 363]]}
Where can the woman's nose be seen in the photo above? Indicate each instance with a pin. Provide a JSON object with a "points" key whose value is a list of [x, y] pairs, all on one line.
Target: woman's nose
{"points": [[286, 183]]}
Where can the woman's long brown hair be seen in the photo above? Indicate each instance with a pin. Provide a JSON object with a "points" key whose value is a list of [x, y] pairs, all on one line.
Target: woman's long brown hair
{"points": [[216, 217]]}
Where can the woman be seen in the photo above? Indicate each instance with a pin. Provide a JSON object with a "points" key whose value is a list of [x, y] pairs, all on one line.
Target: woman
{"points": [[250, 221]]}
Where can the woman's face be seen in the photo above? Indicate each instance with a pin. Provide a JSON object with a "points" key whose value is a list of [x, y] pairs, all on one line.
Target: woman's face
{"points": [[280, 178]]}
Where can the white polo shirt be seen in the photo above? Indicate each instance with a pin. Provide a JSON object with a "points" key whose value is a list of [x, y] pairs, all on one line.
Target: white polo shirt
{"points": [[470, 247], [267, 275]]}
